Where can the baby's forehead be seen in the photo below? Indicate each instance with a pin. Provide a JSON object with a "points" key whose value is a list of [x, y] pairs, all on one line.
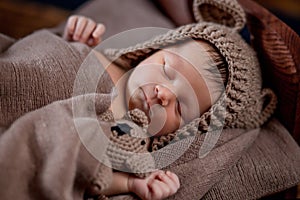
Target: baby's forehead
{"points": [[191, 44], [193, 51]]}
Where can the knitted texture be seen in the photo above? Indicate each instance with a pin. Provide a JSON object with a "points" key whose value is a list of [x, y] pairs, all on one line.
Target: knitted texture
{"points": [[243, 104], [128, 143], [225, 12]]}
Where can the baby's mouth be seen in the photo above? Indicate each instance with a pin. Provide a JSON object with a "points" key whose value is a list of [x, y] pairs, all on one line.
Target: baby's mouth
{"points": [[139, 100], [146, 106]]}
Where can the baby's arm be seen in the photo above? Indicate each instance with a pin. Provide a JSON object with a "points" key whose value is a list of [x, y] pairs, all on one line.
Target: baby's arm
{"points": [[158, 185], [83, 29]]}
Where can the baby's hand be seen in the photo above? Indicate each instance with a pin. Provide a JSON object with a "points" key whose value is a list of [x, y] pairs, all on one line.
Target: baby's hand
{"points": [[159, 185], [83, 29]]}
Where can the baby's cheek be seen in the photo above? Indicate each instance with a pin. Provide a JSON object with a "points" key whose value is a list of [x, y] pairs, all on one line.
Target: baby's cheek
{"points": [[162, 122], [158, 119]]}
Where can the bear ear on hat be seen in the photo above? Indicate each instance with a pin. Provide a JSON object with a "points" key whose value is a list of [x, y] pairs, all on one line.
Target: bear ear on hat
{"points": [[224, 12]]}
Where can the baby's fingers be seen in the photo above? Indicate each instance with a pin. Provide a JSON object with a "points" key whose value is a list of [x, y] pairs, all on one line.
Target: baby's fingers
{"points": [[174, 178], [79, 28], [171, 180], [97, 34], [82, 29], [99, 31], [158, 190], [70, 27], [87, 31]]}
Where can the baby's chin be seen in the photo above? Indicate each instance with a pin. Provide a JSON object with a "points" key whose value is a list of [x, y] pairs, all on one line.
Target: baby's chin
{"points": [[156, 124], [154, 128], [139, 113]]}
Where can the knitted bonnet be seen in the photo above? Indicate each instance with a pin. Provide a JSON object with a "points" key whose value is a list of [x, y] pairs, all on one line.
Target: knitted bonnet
{"points": [[244, 103]]}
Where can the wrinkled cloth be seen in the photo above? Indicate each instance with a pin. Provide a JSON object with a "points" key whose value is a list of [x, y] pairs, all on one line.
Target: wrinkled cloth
{"points": [[42, 156], [40, 69]]}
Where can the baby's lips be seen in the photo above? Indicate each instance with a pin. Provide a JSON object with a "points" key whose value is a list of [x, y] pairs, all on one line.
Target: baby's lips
{"points": [[146, 107], [138, 100]]}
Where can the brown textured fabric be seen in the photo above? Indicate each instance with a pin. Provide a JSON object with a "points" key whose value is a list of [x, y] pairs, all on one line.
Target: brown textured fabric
{"points": [[129, 144], [272, 164], [42, 157], [225, 12], [37, 70]]}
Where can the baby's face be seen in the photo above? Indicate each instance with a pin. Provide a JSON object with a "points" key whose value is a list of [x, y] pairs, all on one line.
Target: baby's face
{"points": [[169, 88]]}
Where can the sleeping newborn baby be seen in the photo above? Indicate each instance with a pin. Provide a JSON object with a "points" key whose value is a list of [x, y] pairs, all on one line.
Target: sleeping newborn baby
{"points": [[193, 79], [171, 87]]}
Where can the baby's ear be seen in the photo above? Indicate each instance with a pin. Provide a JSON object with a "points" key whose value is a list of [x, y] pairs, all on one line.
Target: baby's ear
{"points": [[224, 12]]}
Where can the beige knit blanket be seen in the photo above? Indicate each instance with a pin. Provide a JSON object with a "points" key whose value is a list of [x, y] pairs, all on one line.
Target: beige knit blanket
{"points": [[42, 156]]}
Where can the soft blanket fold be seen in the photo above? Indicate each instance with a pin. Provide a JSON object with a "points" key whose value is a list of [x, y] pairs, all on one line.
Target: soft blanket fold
{"points": [[42, 157], [37, 70]]}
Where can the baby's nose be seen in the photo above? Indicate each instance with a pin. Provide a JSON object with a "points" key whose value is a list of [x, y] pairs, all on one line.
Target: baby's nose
{"points": [[164, 95]]}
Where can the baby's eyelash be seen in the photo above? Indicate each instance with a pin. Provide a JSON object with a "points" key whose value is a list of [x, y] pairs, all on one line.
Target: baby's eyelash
{"points": [[165, 72], [178, 107]]}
